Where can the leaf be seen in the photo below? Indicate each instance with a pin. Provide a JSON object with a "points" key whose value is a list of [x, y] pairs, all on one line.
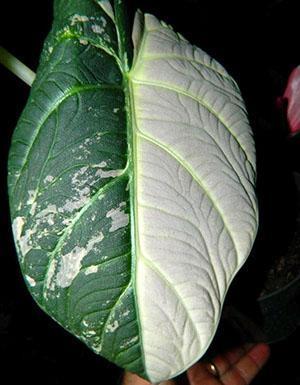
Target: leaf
{"points": [[131, 188]]}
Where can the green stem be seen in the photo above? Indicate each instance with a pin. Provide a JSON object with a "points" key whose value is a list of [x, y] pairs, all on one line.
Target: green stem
{"points": [[16, 67]]}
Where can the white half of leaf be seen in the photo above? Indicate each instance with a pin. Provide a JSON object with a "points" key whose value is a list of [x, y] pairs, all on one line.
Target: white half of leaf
{"points": [[195, 205]]}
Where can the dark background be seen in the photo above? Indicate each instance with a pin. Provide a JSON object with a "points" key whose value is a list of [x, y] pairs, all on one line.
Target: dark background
{"points": [[258, 43]]}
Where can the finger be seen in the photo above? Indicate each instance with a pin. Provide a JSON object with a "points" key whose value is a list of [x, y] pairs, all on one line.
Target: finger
{"points": [[200, 371], [133, 379], [224, 362], [199, 374], [244, 370]]}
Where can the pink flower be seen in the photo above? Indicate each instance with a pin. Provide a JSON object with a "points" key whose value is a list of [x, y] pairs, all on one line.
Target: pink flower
{"points": [[292, 97]]}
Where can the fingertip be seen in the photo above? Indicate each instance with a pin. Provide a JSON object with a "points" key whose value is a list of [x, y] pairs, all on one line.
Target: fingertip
{"points": [[260, 353], [133, 379]]}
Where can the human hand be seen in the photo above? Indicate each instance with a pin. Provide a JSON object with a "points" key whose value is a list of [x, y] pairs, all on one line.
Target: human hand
{"points": [[235, 367]]}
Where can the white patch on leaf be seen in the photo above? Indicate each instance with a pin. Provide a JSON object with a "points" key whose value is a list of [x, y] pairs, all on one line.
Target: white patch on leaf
{"points": [[31, 197], [91, 270], [89, 333], [103, 20], [75, 204], [17, 227], [97, 29], [67, 221], [48, 179], [83, 42], [47, 215], [23, 243], [30, 280], [77, 177], [97, 348], [71, 262], [31, 201], [125, 314], [112, 327], [107, 174], [78, 19], [118, 217], [129, 342], [33, 208]]}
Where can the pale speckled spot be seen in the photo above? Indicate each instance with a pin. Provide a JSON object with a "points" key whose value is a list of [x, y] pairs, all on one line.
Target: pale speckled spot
{"points": [[108, 174], [118, 217], [46, 215], [129, 342], [70, 263], [112, 327], [33, 208], [126, 313], [49, 209], [30, 280], [78, 174], [31, 201], [78, 19], [67, 221], [71, 205], [89, 333], [31, 197], [106, 37], [70, 266], [50, 221], [97, 348], [48, 179], [44, 233], [97, 29], [25, 242], [83, 42], [91, 270]]}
